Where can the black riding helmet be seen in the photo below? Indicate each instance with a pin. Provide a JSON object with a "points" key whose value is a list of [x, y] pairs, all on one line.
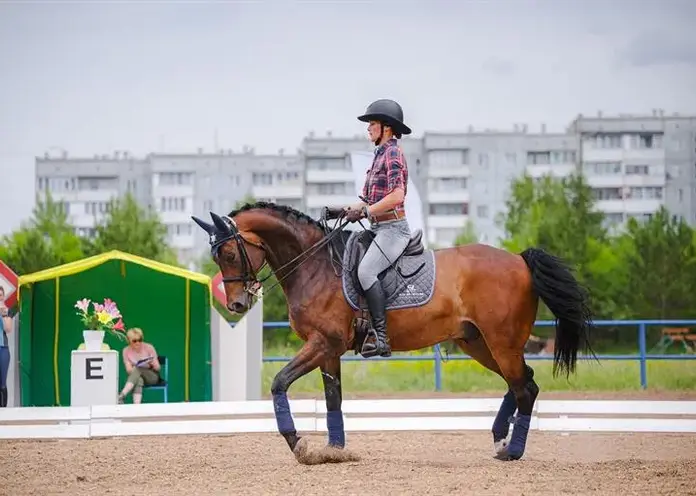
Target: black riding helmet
{"points": [[389, 113]]}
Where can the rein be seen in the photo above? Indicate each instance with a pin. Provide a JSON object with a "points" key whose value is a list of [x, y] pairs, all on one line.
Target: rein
{"points": [[249, 274]]}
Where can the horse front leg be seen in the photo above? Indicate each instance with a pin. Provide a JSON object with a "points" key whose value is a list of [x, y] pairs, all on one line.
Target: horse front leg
{"points": [[331, 376], [310, 356]]}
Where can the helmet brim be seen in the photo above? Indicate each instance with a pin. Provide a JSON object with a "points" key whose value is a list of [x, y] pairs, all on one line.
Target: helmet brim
{"points": [[399, 127]]}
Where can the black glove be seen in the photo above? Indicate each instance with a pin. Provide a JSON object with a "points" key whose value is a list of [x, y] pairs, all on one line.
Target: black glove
{"points": [[354, 215]]}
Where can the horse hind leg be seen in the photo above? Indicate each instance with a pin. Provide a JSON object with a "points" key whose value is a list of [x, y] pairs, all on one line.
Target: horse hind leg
{"points": [[473, 344], [520, 379]]}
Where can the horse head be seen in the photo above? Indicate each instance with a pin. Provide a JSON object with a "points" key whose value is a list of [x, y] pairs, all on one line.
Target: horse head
{"points": [[240, 258]]}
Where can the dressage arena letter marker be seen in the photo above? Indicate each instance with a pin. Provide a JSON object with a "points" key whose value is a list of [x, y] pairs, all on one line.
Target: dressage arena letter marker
{"points": [[94, 378], [91, 366]]}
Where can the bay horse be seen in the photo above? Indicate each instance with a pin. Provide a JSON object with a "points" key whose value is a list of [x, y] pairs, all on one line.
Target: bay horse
{"points": [[483, 298]]}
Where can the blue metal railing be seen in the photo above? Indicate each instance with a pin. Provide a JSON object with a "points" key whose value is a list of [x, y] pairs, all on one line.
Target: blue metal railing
{"points": [[642, 357]]}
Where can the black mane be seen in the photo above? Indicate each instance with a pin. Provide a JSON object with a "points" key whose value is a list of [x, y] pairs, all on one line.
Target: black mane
{"points": [[286, 212]]}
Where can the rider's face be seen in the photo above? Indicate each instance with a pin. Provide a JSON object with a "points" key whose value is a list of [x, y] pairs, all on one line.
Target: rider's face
{"points": [[373, 130]]}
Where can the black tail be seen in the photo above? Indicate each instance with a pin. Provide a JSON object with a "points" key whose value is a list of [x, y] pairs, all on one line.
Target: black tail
{"points": [[555, 284]]}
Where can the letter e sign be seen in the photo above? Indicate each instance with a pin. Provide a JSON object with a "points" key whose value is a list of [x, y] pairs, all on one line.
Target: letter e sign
{"points": [[93, 365]]}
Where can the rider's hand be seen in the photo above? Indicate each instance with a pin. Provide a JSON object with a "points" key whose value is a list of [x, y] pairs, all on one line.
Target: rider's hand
{"points": [[353, 215]]}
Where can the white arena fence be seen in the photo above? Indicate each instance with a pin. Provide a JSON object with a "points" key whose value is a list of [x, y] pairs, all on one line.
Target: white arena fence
{"points": [[227, 417]]}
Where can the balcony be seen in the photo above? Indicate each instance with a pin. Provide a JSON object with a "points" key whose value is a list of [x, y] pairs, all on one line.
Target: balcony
{"points": [[555, 170], [318, 201], [455, 196], [330, 176], [173, 190], [87, 195], [447, 221], [294, 191], [448, 171]]}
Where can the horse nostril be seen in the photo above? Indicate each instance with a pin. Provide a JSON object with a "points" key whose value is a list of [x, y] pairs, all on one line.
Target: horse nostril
{"points": [[236, 307]]}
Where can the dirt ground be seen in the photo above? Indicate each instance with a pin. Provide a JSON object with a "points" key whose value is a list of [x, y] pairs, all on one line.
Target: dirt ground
{"points": [[390, 463]]}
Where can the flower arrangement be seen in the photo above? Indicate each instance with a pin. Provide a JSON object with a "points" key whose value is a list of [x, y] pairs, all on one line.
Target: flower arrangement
{"points": [[105, 317]]}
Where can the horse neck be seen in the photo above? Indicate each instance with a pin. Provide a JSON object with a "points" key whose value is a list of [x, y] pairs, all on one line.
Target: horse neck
{"points": [[286, 242]]}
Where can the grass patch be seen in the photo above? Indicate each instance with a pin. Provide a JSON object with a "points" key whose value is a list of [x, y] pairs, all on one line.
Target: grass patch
{"points": [[470, 376]]}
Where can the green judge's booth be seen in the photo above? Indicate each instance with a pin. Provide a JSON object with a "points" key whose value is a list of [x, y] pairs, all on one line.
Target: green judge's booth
{"points": [[171, 305]]}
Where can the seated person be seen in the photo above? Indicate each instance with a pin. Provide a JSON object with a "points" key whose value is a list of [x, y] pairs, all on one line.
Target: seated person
{"points": [[142, 365]]}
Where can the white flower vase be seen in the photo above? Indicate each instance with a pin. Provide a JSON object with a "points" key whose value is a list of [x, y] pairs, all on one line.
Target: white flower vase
{"points": [[93, 340]]}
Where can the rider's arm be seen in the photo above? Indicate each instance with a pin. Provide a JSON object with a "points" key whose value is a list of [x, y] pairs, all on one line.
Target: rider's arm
{"points": [[396, 165]]}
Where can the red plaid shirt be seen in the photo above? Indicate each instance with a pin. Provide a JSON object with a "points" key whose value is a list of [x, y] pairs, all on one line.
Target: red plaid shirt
{"points": [[387, 173]]}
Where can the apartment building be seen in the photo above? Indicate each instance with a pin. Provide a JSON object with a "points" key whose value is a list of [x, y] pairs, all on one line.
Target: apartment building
{"points": [[177, 186], [636, 163], [85, 186], [469, 176]]}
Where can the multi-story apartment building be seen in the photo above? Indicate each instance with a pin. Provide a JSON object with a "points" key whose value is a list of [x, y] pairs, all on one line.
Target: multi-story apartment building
{"points": [[635, 164], [469, 176], [175, 185], [85, 186]]}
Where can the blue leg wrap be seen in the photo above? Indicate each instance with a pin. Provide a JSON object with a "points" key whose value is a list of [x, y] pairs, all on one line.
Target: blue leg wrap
{"points": [[334, 422], [518, 440], [501, 424], [282, 413]]}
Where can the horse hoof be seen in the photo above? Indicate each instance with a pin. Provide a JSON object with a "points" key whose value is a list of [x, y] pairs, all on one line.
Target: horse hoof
{"points": [[300, 448], [501, 447]]}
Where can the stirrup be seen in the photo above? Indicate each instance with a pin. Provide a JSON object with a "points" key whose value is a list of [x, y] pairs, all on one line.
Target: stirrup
{"points": [[378, 347]]}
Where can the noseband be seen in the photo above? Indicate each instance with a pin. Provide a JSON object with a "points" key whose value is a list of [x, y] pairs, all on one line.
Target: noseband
{"points": [[249, 275]]}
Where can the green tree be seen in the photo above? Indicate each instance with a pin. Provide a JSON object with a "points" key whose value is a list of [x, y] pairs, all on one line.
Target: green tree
{"points": [[130, 228], [660, 261], [559, 215], [45, 240]]}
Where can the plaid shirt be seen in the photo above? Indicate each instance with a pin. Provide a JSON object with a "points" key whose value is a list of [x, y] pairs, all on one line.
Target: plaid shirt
{"points": [[387, 173]]}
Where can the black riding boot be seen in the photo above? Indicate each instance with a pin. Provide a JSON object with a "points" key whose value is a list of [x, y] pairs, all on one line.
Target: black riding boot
{"points": [[376, 305], [3, 397]]}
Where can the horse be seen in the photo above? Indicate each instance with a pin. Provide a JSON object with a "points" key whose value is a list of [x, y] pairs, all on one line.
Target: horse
{"points": [[483, 298]]}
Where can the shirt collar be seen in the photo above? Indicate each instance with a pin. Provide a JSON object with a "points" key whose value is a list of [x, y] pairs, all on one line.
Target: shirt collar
{"points": [[380, 149]]}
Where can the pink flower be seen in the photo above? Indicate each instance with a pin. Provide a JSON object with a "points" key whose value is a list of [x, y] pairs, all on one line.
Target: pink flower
{"points": [[119, 325], [82, 305], [111, 308]]}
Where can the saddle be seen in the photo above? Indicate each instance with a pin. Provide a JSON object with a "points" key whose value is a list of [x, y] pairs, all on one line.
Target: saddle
{"points": [[359, 247]]}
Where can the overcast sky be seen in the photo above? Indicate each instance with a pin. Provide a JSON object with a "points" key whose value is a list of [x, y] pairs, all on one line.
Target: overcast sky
{"points": [[151, 76]]}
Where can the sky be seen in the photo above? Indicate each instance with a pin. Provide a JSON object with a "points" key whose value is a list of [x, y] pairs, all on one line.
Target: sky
{"points": [[157, 76]]}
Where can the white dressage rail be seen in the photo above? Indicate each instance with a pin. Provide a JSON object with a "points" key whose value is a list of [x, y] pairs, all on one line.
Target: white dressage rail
{"points": [[360, 415]]}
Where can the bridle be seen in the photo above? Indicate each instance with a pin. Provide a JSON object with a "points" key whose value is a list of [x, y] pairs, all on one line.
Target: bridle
{"points": [[249, 275]]}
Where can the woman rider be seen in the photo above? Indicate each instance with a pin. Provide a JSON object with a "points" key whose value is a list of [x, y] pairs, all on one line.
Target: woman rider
{"points": [[382, 203]]}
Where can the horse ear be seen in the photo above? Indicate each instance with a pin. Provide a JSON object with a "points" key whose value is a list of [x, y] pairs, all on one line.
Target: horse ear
{"points": [[209, 228], [219, 223]]}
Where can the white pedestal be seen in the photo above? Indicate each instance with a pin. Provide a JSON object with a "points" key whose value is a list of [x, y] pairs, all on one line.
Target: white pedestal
{"points": [[93, 378]]}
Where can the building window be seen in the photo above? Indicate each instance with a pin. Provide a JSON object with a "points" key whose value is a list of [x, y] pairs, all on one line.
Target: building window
{"points": [[172, 204], [603, 168], [449, 209], [175, 178], [642, 170], [328, 164], [330, 188], [448, 158], [606, 193], [446, 184], [482, 211]]}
